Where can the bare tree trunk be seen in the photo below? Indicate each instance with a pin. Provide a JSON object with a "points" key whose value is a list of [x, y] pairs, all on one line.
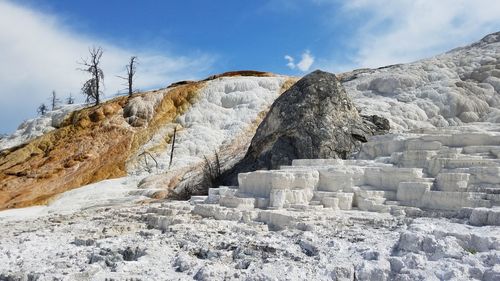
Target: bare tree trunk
{"points": [[97, 82], [130, 75], [91, 88], [172, 151], [54, 100]]}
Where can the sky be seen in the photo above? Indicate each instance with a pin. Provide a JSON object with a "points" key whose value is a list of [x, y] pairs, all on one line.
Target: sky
{"points": [[42, 41]]}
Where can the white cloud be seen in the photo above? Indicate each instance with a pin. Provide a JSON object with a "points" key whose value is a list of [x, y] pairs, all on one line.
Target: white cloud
{"points": [[38, 55], [290, 63], [407, 30], [304, 64], [306, 61]]}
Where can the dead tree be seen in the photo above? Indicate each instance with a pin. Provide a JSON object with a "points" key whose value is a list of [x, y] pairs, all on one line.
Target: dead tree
{"points": [[70, 99], [172, 151], [42, 109], [92, 87], [212, 171], [130, 74], [54, 100], [146, 153]]}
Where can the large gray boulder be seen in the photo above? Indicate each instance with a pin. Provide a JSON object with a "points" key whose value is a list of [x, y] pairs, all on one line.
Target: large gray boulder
{"points": [[313, 119]]}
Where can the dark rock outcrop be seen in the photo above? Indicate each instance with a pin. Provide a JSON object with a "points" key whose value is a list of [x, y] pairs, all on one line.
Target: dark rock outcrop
{"points": [[313, 119], [379, 125]]}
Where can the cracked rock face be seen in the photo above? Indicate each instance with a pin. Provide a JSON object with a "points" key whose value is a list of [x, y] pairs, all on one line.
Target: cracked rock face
{"points": [[313, 119]]}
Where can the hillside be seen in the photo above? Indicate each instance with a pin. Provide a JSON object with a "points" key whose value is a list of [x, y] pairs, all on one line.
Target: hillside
{"points": [[131, 136], [125, 136], [418, 201], [455, 88]]}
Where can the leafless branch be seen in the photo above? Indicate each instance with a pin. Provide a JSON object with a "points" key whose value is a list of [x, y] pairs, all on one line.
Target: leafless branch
{"points": [[172, 151], [145, 153], [91, 88], [131, 69]]}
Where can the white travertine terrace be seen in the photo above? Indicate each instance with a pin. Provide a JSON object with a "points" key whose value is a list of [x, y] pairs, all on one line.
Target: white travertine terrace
{"points": [[455, 170]]}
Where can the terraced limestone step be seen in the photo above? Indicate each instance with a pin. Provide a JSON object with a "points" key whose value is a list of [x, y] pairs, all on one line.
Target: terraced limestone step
{"points": [[335, 200], [214, 194], [486, 149], [198, 199], [330, 202], [371, 194], [260, 183], [417, 144], [485, 216], [283, 198], [318, 195], [345, 200], [464, 139], [392, 203], [491, 190], [430, 170], [340, 178], [452, 181], [317, 162], [485, 175], [485, 155], [412, 192], [494, 199], [367, 191], [223, 213], [448, 200], [315, 203], [431, 180], [412, 158], [373, 205], [388, 178], [237, 202], [436, 165], [162, 217]]}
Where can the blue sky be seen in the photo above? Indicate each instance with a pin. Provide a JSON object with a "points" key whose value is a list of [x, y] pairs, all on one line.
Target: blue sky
{"points": [[41, 41]]}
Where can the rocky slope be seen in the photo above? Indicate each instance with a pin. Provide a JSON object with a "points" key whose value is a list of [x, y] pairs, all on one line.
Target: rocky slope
{"points": [[128, 242], [313, 119], [420, 203], [132, 136], [455, 88]]}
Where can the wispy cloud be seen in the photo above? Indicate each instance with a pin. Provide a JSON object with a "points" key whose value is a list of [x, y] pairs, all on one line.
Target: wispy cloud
{"points": [[304, 64], [407, 30], [291, 62], [306, 61], [39, 54]]}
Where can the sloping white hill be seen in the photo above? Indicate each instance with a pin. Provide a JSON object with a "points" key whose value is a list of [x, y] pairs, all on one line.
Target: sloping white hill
{"points": [[460, 86], [407, 235], [226, 108], [38, 126]]}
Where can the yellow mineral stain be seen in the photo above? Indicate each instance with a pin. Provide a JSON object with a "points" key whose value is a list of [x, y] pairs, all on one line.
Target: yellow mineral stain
{"points": [[93, 144]]}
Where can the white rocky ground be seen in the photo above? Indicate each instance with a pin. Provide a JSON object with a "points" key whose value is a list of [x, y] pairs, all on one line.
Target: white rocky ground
{"points": [[451, 89], [38, 126], [415, 205], [166, 242], [226, 108], [82, 236], [104, 193]]}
